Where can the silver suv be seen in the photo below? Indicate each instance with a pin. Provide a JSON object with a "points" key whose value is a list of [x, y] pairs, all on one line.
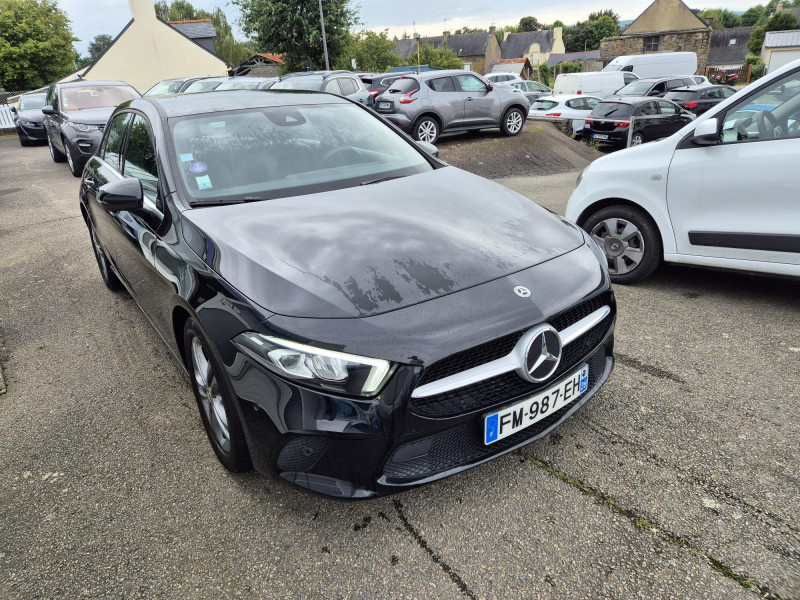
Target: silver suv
{"points": [[428, 104]]}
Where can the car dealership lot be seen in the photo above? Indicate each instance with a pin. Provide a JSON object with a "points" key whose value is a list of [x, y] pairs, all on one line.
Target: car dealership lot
{"points": [[679, 479]]}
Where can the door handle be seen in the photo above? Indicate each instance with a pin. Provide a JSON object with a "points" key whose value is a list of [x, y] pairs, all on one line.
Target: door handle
{"points": [[468, 98]]}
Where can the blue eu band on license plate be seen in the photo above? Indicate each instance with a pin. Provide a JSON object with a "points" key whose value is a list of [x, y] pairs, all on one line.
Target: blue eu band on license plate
{"points": [[517, 417]]}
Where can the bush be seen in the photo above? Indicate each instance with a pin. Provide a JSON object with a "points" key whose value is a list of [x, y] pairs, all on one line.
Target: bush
{"points": [[571, 67], [758, 70], [545, 74]]}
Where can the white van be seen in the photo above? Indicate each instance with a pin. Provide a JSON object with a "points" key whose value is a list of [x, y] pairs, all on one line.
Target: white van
{"points": [[673, 200], [594, 84], [656, 64]]}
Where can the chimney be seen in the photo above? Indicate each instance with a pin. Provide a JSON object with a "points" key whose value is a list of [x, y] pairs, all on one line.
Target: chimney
{"points": [[710, 21], [445, 35], [492, 29], [506, 33], [142, 9]]}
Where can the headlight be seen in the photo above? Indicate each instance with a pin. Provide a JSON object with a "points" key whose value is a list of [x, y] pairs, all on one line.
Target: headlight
{"points": [[82, 126], [580, 177], [327, 369], [28, 123]]}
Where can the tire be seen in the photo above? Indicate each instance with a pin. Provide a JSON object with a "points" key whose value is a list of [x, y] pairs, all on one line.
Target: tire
{"points": [[426, 129], [55, 153], [630, 240], [214, 396], [75, 167], [512, 122], [109, 277], [637, 139]]}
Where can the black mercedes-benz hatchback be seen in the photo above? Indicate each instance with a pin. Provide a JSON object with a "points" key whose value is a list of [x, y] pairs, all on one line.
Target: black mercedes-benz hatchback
{"points": [[354, 315]]}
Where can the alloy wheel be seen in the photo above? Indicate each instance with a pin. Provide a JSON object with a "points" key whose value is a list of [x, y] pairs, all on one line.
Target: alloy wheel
{"points": [[637, 139], [426, 131], [69, 157], [622, 243], [210, 396], [50, 147], [514, 122]]}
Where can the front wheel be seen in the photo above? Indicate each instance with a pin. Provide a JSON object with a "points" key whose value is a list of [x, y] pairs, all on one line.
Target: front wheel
{"points": [[512, 122], [74, 166], [630, 240], [426, 130], [215, 400], [55, 153], [637, 139]]}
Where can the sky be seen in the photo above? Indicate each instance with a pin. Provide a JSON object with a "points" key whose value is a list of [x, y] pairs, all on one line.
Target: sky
{"points": [[93, 17]]}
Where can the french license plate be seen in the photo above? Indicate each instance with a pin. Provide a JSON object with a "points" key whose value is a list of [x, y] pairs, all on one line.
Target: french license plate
{"points": [[517, 417], [384, 105], [599, 136]]}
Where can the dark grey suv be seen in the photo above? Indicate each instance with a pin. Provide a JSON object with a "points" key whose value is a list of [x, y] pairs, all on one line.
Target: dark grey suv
{"points": [[428, 104]]}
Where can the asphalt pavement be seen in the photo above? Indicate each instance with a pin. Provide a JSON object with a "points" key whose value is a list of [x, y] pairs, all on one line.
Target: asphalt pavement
{"points": [[678, 480]]}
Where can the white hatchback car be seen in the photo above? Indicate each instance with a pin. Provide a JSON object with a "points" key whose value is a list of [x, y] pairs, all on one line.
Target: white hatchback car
{"points": [[565, 106], [721, 192]]}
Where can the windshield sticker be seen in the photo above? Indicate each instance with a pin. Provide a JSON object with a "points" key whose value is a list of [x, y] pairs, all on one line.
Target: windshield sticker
{"points": [[186, 157], [203, 183], [198, 167]]}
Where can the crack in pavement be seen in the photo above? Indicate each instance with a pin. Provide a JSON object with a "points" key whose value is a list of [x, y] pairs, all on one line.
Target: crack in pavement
{"points": [[720, 494], [645, 524], [422, 543]]}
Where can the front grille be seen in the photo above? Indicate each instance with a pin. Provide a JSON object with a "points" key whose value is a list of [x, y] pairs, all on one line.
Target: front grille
{"points": [[500, 347], [507, 386], [463, 445]]}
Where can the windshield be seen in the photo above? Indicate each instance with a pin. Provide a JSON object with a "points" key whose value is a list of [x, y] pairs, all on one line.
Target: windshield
{"points": [[307, 82], [165, 87], [238, 85], [31, 102], [679, 96], [614, 110], [267, 153], [96, 96], [203, 85], [635, 88], [543, 105]]}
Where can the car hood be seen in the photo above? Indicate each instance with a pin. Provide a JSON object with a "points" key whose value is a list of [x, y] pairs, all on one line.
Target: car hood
{"points": [[36, 116], [363, 251], [91, 116]]}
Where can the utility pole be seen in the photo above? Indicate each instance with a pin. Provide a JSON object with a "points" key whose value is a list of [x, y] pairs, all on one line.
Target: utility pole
{"points": [[416, 37], [324, 41]]}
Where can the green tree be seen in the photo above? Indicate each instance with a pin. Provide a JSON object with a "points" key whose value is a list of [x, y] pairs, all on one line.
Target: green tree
{"points": [[781, 21], [98, 45], [723, 18], [586, 35], [753, 16], [292, 28], [528, 24], [439, 58], [500, 33], [35, 43], [545, 74], [372, 51], [470, 30], [225, 45]]}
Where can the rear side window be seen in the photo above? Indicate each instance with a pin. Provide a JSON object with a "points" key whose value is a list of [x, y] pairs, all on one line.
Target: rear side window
{"points": [[543, 105], [577, 104], [442, 84], [403, 86], [615, 110], [140, 157], [332, 87], [348, 86], [647, 109], [676, 83], [681, 96], [668, 108], [112, 146]]}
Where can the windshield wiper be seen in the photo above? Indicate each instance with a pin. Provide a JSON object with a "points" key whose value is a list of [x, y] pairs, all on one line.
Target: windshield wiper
{"points": [[381, 179], [214, 203]]}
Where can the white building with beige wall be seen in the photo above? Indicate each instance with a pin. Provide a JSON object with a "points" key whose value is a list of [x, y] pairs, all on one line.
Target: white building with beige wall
{"points": [[149, 50]]}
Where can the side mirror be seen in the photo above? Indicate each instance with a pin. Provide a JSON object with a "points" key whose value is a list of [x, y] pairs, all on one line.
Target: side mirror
{"points": [[706, 133], [489, 87], [125, 194], [429, 148], [653, 93], [48, 110], [12, 108]]}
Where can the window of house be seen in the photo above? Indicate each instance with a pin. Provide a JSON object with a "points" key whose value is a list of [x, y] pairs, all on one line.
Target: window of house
{"points": [[651, 43]]}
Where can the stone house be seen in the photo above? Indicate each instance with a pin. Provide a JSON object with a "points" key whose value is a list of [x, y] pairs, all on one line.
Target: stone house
{"points": [[664, 26], [518, 66], [149, 50], [479, 51], [536, 46]]}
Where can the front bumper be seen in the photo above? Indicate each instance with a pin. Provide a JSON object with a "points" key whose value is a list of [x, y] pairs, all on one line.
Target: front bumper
{"points": [[31, 133], [83, 143], [362, 448]]}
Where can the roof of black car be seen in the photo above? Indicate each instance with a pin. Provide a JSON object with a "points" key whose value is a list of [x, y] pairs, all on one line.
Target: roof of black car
{"points": [[87, 83], [180, 105], [632, 100]]}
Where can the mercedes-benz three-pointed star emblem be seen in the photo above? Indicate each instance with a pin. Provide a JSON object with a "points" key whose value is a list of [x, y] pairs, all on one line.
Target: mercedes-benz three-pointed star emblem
{"points": [[544, 354]]}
